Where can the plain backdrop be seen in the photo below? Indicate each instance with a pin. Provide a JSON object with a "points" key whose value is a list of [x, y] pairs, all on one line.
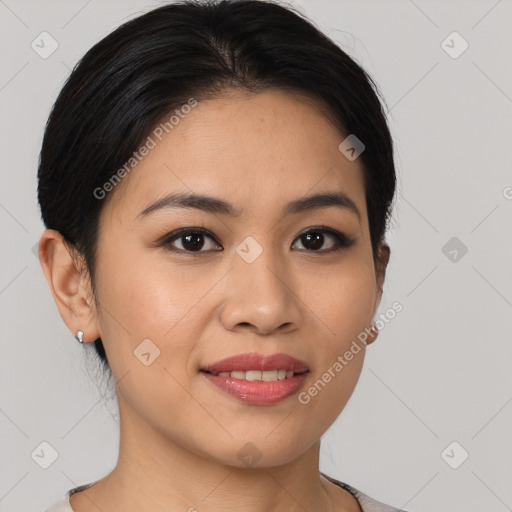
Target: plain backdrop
{"points": [[428, 427]]}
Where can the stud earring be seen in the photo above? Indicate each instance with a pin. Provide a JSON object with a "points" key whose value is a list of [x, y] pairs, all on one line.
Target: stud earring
{"points": [[79, 336]]}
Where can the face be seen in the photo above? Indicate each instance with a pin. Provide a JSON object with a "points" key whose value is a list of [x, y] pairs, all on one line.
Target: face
{"points": [[180, 288]]}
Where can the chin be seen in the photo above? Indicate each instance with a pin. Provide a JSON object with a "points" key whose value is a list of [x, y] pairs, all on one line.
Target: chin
{"points": [[259, 454]]}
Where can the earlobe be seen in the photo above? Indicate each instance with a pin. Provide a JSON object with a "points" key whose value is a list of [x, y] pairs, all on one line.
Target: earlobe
{"points": [[68, 281], [372, 335]]}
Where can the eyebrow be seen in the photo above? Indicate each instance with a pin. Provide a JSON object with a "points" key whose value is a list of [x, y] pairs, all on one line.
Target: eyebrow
{"points": [[218, 206]]}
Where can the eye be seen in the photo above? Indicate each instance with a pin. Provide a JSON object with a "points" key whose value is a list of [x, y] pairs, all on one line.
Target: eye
{"points": [[190, 240], [194, 239], [314, 238]]}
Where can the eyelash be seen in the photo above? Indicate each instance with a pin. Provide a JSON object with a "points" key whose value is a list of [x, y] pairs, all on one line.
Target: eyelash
{"points": [[341, 241]]}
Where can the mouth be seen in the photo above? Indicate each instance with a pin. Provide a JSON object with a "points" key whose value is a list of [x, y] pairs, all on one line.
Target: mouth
{"points": [[258, 375], [256, 379], [252, 363]]}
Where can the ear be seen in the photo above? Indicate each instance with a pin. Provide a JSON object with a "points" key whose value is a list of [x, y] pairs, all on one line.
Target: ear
{"points": [[68, 279], [383, 255]]}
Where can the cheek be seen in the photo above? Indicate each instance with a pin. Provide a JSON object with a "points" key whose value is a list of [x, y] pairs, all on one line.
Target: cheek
{"points": [[341, 302], [340, 305], [145, 296], [340, 354], [142, 300], [148, 333]]}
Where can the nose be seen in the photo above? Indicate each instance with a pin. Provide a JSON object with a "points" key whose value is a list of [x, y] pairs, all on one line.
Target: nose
{"points": [[260, 297]]}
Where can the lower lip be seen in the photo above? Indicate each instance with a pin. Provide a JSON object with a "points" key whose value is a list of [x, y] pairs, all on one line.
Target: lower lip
{"points": [[258, 392]]}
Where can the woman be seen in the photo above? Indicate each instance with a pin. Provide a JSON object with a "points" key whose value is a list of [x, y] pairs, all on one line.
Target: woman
{"points": [[216, 180]]}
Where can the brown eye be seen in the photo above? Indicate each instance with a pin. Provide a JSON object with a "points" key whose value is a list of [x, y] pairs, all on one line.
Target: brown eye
{"points": [[198, 240], [190, 240], [314, 239]]}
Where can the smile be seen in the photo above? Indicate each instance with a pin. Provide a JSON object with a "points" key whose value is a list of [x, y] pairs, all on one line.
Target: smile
{"points": [[254, 375], [257, 379]]}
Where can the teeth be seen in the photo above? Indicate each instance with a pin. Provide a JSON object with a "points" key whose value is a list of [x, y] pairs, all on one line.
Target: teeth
{"points": [[269, 376], [266, 376]]}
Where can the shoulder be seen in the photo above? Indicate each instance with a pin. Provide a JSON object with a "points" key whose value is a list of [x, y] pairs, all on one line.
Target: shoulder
{"points": [[367, 503], [63, 504]]}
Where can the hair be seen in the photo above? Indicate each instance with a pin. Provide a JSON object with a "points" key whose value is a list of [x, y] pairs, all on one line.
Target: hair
{"points": [[127, 82]]}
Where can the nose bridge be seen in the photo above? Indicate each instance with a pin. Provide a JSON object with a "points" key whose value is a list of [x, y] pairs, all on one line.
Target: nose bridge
{"points": [[260, 290]]}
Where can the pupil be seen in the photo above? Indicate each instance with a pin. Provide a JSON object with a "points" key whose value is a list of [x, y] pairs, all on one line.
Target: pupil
{"points": [[194, 242], [316, 238]]}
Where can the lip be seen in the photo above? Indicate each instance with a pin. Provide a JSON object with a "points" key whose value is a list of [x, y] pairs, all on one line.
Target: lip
{"points": [[254, 361], [258, 392]]}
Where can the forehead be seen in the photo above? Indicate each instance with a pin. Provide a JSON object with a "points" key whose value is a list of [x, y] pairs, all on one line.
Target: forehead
{"points": [[255, 150]]}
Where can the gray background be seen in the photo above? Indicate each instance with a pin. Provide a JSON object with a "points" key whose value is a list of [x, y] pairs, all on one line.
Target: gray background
{"points": [[439, 372]]}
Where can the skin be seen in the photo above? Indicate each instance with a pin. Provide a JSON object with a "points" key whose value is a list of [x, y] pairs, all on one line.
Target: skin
{"points": [[180, 435]]}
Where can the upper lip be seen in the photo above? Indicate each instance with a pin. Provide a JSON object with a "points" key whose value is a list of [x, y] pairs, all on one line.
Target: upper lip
{"points": [[253, 361]]}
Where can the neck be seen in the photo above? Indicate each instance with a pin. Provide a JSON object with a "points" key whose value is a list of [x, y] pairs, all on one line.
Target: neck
{"points": [[154, 473]]}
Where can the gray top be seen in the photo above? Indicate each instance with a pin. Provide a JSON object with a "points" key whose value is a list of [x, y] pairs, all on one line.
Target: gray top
{"points": [[366, 503]]}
